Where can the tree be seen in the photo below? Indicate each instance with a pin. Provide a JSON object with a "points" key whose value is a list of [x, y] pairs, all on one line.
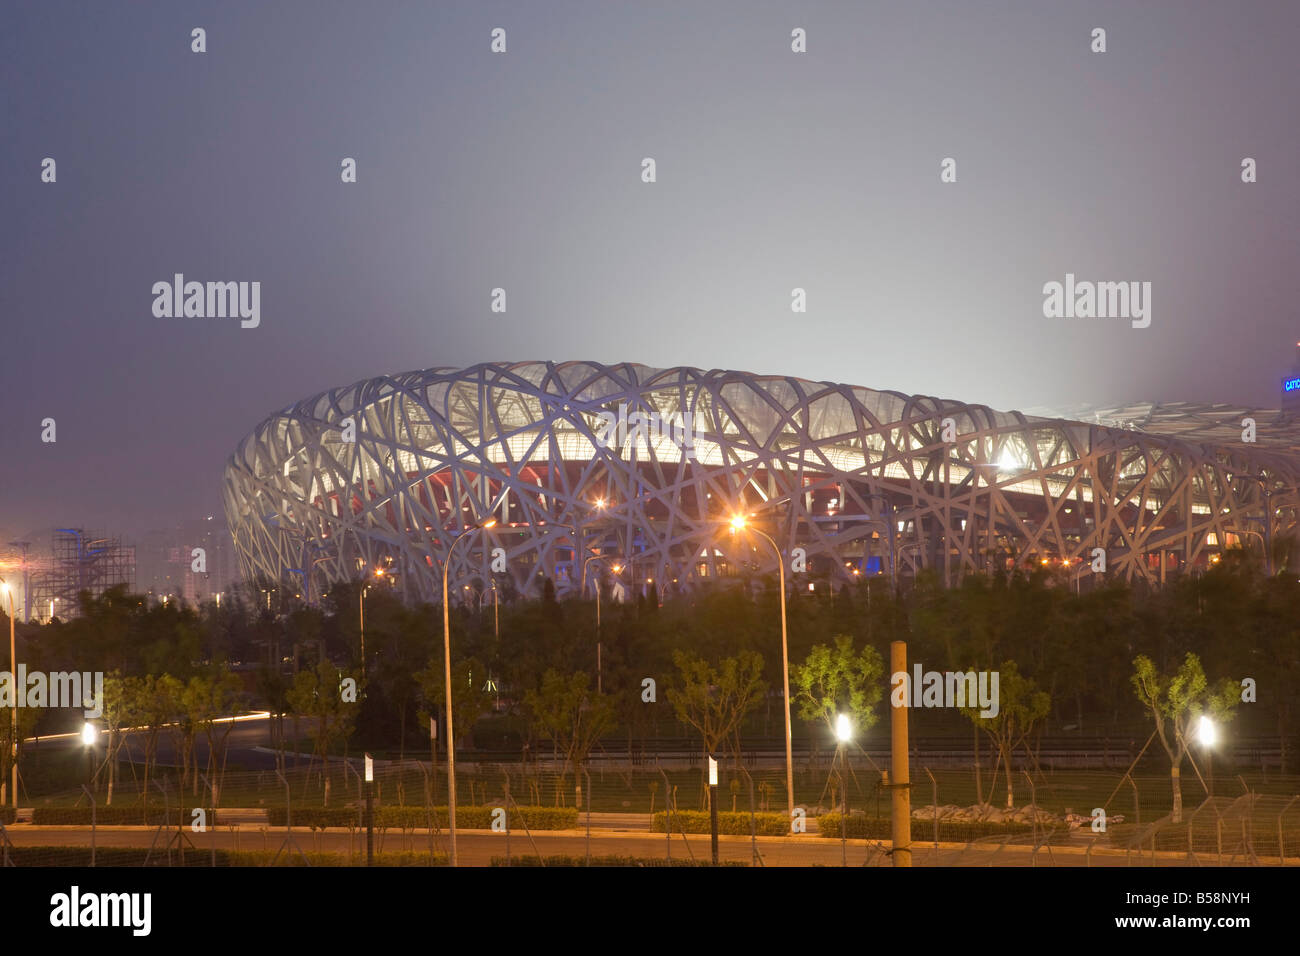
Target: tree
{"points": [[1020, 705], [714, 700], [839, 680], [121, 710], [469, 699], [155, 702], [317, 695], [1174, 702], [572, 716], [207, 699]]}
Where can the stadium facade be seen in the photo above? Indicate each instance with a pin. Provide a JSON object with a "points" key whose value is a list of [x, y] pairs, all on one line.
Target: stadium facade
{"points": [[646, 467]]}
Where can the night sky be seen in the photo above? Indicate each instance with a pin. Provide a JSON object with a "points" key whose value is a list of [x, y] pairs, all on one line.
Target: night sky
{"points": [[522, 170]]}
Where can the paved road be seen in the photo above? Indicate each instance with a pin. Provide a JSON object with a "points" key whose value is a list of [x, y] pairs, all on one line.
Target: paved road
{"points": [[478, 847]]}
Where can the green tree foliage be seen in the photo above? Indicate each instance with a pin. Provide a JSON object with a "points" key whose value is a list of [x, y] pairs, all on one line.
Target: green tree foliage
{"points": [[839, 680], [469, 698], [571, 714], [1021, 705], [713, 699], [1176, 701], [317, 695]]}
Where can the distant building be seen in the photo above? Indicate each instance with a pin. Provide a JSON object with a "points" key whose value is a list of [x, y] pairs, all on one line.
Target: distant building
{"points": [[192, 562], [80, 561]]}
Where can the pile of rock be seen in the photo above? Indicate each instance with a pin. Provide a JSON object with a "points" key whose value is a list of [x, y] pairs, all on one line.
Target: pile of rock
{"points": [[985, 813]]}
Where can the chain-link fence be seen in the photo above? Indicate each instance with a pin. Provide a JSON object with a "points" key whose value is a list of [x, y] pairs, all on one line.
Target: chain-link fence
{"points": [[543, 813]]}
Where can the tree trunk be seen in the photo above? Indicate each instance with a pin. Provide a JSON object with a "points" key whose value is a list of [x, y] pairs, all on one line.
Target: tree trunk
{"points": [[1177, 815], [1006, 758], [979, 788]]}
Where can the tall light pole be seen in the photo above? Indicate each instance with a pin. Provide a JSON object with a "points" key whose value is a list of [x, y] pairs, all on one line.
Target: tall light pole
{"points": [[446, 675], [1207, 734], [739, 523], [361, 616], [843, 734], [13, 677], [596, 557]]}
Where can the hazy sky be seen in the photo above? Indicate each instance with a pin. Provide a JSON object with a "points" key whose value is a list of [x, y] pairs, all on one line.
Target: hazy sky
{"points": [[522, 170]]}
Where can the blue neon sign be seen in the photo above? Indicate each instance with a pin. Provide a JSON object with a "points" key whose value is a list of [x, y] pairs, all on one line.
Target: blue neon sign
{"points": [[1291, 385]]}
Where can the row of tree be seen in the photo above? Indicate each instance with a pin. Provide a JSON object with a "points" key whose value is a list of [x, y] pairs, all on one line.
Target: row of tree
{"points": [[535, 660]]}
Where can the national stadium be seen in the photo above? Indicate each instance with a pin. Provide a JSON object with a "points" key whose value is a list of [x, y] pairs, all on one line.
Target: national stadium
{"points": [[632, 475]]}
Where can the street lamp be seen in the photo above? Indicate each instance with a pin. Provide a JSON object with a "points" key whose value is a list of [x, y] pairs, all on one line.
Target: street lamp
{"points": [[738, 523], [843, 734], [13, 676], [89, 734], [361, 614], [596, 557], [1207, 734], [446, 648]]}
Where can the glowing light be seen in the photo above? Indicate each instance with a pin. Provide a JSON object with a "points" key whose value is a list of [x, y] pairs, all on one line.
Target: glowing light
{"points": [[843, 728], [89, 734], [738, 522], [1206, 732]]}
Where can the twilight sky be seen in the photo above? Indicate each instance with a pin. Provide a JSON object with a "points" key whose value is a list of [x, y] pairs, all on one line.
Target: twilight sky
{"points": [[522, 170]]}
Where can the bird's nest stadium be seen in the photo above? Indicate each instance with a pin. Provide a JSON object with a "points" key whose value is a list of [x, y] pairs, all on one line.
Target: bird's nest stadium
{"points": [[631, 475]]}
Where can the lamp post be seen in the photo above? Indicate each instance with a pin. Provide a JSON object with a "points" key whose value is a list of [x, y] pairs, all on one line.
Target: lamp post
{"points": [[1206, 734], [13, 710], [361, 616], [89, 733], [843, 734], [370, 810], [446, 648], [739, 523], [713, 807], [596, 557]]}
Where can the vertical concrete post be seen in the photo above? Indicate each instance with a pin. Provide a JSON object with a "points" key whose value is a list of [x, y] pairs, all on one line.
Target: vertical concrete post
{"points": [[899, 775]]}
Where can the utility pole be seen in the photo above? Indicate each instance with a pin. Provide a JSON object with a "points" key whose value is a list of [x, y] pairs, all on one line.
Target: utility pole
{"points": [[900, 782]]}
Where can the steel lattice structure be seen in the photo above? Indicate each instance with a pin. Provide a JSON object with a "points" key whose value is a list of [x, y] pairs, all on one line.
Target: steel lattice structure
{"points": [[863, 481]]}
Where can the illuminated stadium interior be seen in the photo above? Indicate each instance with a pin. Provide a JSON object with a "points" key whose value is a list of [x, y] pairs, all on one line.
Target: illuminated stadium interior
{"points": [[864, 482]]}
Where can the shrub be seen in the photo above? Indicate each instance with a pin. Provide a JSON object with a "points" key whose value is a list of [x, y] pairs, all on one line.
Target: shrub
{"points": [[315, 817], [467, 817], [734, 824], [79, 856], [607, 861], [8, 815], [116, 816]]}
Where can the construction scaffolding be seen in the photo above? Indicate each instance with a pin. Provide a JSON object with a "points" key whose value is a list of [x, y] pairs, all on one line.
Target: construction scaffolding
{"points": [[80, 561]]}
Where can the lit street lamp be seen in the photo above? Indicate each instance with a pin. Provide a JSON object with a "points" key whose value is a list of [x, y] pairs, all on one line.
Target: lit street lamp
{"points": [[1207, 734], [446, 647], [361, 615], [843, 734], [89, 734], [738, 523]]}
